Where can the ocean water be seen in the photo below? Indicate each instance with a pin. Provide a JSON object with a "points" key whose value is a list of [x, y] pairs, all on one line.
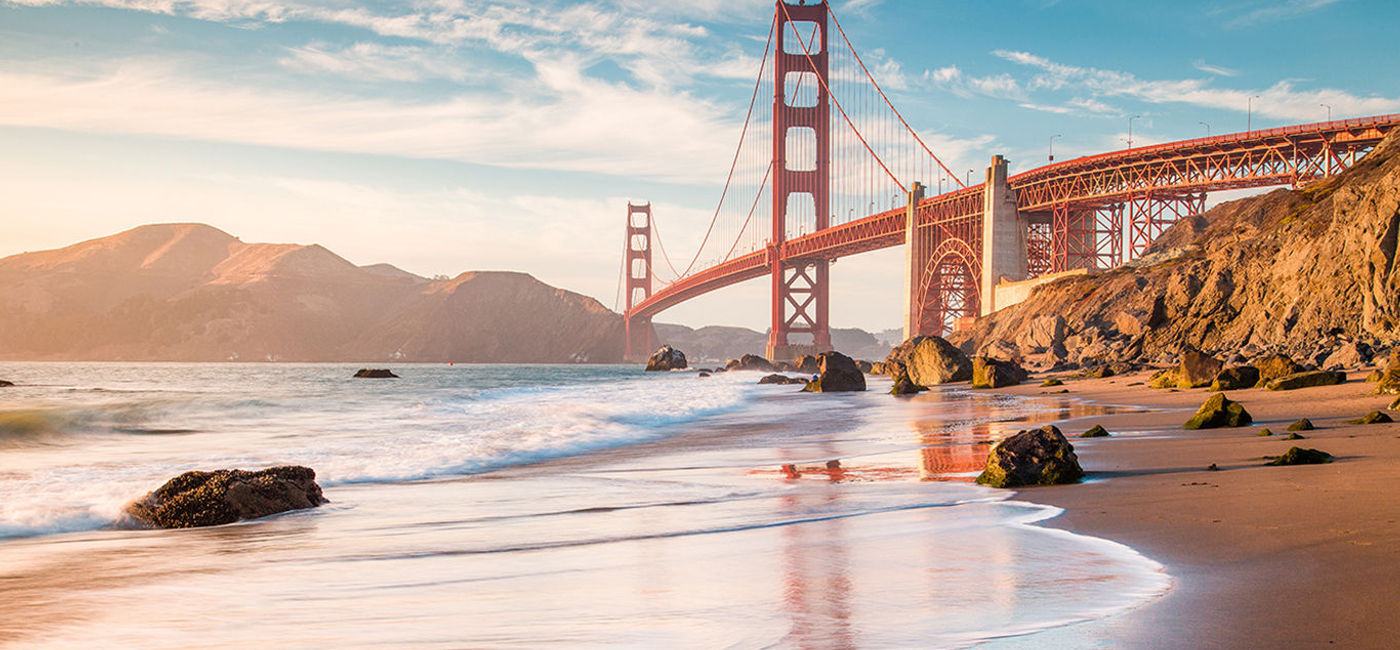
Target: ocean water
{"points": [[531, 506]]}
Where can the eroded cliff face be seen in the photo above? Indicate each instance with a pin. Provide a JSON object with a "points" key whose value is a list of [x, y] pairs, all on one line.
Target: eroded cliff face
{"points": [[1289, 271], [189, 292]]}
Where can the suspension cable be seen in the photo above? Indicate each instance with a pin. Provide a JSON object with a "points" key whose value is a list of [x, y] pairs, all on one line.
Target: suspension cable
{"points": [[887, 99], [834, 100]]}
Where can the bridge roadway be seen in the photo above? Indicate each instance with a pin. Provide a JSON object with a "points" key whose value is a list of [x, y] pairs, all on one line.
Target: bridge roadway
{"points": [[1283, 156]]}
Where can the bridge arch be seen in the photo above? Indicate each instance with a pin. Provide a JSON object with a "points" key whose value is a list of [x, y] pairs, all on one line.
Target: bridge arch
{"points": [[949, 286]]}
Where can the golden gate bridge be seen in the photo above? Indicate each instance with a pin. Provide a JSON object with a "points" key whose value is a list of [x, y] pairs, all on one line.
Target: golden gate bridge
{"points": [[836, 170]]}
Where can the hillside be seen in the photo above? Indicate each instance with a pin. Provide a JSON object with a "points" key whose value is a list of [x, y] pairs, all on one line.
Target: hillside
{"points": [[190, 292], [1297, 272]]}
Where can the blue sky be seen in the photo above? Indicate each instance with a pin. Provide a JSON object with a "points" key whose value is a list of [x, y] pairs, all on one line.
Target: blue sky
{"points": [[444, 136]]}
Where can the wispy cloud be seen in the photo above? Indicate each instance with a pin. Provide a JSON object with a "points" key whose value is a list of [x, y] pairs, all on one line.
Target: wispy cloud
{"points": [[1283, 100], [952, 79], [1270, 10], [1214, 69]]}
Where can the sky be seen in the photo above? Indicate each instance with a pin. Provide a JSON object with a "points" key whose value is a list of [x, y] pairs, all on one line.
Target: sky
{"points": [[450, 135]]}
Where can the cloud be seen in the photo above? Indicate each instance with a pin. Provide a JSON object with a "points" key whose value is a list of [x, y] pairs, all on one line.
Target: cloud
{"points": [[952, 79], [1275, 10], [572, 123], [1214, 69], [1283, 100], [375, 61]]}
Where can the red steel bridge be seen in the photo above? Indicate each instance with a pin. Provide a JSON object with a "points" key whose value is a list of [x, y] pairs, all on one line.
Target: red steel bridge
{"points": [[840, 172]]}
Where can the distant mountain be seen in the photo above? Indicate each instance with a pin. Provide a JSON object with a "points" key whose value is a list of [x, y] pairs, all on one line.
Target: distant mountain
{"points": [[718, 343], [190, 292]]}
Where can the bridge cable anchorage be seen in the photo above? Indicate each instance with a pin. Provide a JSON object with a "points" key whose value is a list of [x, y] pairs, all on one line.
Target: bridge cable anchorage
{"points": [[887, 99], [812, 64]]}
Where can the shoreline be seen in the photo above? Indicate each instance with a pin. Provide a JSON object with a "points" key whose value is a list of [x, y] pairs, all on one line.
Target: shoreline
{"points": [[1260, 556]]}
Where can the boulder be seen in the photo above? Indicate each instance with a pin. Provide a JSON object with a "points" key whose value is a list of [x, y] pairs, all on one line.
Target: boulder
{"points": [[806, 363], [991, 373], [865, 366], [1219, 411], [1052, 382], [930, 361], [4, 383], [1293, 436], [782, 379], [1165, 378], [1097, 431], [1274, 366], [1307, 379], [1348, 355], [750, 362], [1236, 378], [666, 358], [1032, 457], [1389, 381], [1395, 406], [1301, 425], [784, 366], [1266, 431], [880, 368], [703, 373], [1198, 369], [225, 496], [1300, 456], [375, 373], [1374, 417], [904, 386], [836, 373]]}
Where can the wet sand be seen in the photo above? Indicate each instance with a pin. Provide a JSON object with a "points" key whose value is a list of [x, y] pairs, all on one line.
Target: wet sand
{"points": [[1261, 556]]}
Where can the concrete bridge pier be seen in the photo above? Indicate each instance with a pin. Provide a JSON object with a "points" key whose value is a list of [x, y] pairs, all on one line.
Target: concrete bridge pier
{"points": [[1003, 236]]}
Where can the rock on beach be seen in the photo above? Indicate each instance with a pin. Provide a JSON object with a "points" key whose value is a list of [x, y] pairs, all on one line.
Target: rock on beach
{"points": [[1032, 457], [224, 496]]}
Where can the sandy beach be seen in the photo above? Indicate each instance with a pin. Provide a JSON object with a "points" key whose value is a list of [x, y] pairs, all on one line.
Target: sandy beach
{"points": [[1260, 556]]}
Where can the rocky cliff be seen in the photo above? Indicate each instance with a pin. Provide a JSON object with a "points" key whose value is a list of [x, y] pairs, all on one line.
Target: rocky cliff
{"points": [[1291, 271], [190, 292]]}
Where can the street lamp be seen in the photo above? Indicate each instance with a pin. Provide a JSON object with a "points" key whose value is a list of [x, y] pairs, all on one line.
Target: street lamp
{"points": [[1249, 115], [1329, 111], [1052, 145], [969, 177], [1130, 129], [1207, 128]]}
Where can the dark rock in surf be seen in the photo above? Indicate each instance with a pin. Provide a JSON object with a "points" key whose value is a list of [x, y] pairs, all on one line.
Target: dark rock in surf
{"points": [[750, 362], [1033, 457], [375, 373], [224, 496], [904, 386], [666, 358], [782, 379], [836, 373], [4, 383], [1096, 432]]}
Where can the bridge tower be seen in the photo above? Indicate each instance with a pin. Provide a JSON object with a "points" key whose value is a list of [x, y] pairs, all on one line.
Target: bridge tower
{"points": [[638, 271], [800, 287]]}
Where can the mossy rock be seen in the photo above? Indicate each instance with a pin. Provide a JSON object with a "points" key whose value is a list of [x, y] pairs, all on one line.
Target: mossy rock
{"points": [[1307, 379], [1219, 411], [1236, 378], [1374, 417], [1294, 436], [1096, 432], [1302, 425], [1032, 457], [1265, 432], [1052, 382], [1300, 456], [905, 386], [1165, 378]]}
